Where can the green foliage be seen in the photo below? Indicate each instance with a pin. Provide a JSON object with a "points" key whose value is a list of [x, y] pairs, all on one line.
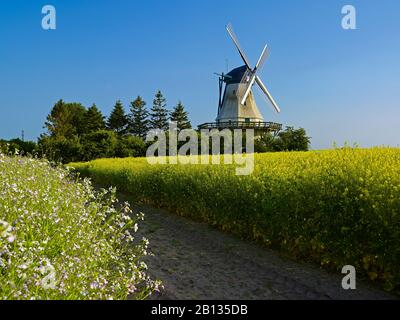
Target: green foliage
{"points": [[138, 118], [86, 137], [14, 146], [159, 113], [288, 140], [60, 239], [94, 120], [99, 144], [267, 143], [66, 120], [130, 146], [338, 207], [180, 116], [294, 140], [76, 134], [61, 149], [118, 121]]}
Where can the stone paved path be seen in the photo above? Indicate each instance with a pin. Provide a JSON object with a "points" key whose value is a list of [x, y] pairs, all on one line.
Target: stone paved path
{"points": [[196, 261]]}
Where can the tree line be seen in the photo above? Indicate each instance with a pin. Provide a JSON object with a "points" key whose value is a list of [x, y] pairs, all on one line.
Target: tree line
{"points": [[75, 133]]}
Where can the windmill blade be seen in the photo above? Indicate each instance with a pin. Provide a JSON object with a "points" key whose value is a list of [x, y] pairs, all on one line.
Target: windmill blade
{"points": [[248, 89], [265, 90], [262, 59], [236, 41], [259, 64]]}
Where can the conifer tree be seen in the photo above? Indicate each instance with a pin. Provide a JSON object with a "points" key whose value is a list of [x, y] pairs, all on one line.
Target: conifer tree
{"points": [[118, 121], [180, 116], [138, 118], [94, 120], [159, 113]]}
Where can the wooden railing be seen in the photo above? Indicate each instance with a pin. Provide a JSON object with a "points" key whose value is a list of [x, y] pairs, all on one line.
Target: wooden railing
{"points": [[265, 126]]}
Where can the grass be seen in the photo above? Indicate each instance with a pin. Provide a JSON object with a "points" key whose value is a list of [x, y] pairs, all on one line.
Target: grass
{"points": [[336, 208], [60, 239]]}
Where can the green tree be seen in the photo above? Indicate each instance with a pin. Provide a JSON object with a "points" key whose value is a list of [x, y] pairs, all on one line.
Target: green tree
{"points": [[130, 146], [138, 118], [99, 144], [181, 117], [66, 120], [159, 113], [60, 149], [65, 124], [118, 121], [266, 143], [294, 140], [94, 120], [288, 140]]}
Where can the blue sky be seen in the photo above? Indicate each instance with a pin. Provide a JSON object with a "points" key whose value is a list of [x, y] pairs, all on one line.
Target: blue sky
{"points": [[340, 85]]}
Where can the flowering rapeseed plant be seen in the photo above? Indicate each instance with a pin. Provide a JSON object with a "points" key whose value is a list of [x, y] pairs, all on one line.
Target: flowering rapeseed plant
{"points": [[337, 207]]}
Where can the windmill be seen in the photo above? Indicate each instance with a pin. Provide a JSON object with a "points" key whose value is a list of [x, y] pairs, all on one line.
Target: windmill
{"points": [[236, 105]]}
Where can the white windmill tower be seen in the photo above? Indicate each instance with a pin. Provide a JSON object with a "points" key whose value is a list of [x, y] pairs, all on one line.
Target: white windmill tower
{"points": [[237, 108]]}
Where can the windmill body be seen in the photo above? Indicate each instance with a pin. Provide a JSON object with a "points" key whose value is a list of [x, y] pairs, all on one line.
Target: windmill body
{"points": [[230, 108]]}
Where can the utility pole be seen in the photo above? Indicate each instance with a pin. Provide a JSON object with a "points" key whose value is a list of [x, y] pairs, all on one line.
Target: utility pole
{"points": [[23, 135]]}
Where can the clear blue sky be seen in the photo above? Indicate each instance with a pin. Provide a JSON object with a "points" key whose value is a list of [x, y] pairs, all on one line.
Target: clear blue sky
{"points": [[339, 85]]}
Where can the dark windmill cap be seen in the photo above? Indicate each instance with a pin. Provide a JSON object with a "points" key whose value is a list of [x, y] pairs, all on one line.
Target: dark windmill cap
{"points": [[236, 75]]}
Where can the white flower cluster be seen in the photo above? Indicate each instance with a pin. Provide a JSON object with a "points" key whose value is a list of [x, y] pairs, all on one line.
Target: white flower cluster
{"points": [[60, 239]]}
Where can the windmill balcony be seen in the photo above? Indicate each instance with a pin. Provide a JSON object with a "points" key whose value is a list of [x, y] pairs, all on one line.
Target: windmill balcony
{"points": [[260, 126]]}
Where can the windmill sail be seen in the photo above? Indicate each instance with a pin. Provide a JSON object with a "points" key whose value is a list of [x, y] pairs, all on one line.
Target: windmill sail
{"points": [[250, 76]]}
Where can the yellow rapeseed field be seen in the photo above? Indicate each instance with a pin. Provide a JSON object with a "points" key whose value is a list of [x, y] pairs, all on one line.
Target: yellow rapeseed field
{"points": [[335, 207]]}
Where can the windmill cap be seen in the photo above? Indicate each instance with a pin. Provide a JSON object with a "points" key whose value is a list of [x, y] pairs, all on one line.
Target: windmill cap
{"points": [[236, 75]]}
